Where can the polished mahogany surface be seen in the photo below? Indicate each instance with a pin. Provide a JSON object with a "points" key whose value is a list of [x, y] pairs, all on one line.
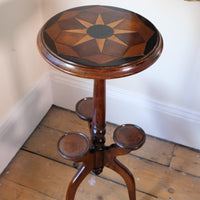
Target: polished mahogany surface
{"points": [[73, 146], [129, 136], [100, 42]]}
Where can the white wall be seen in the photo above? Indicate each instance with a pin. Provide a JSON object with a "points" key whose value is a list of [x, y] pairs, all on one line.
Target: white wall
{"points": [[20, 64], [24, 82], [174, 78]]}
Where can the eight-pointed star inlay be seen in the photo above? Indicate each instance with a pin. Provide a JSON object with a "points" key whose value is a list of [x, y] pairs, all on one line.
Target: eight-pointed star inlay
{"points": [[99, 36], [101, 30]]}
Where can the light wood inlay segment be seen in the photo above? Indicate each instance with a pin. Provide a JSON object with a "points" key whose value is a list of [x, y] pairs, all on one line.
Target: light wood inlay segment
{"points": [[99, 20], [116, 39], [100, 43], [113, 24], [86, 24]]}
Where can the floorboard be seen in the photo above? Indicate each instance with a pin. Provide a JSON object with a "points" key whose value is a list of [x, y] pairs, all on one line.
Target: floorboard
{"points": [[162, 170]]}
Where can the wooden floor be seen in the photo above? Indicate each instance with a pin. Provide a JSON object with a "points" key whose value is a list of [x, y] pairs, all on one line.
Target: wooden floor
{"points": [[162, 170]]}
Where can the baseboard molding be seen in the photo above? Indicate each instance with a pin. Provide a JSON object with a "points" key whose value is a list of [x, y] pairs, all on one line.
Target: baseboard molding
{"points": [[157, 119], [23, 119]]}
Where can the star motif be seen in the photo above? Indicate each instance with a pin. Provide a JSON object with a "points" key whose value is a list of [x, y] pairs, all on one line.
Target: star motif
{"points": [[100, 42], [98, 36]]}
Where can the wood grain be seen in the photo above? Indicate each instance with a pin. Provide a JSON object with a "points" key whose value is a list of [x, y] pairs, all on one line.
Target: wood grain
{"points": [[158, 180], [186, 160], [156, 150], [10, 190], [44, 142]]}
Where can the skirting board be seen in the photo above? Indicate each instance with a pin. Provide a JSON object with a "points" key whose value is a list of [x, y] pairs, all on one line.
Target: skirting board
{"points": [[23, 119], [157, 119]]}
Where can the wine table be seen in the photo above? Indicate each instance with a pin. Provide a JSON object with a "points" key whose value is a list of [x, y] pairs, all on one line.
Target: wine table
{"points": [[99, 42]]}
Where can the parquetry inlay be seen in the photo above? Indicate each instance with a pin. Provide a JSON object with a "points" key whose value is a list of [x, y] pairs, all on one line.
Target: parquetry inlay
{"points": [[129, 35]]}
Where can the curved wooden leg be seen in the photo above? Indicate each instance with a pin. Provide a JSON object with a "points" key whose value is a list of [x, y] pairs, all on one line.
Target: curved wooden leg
{"points": [[78, 178], [126, 175]]}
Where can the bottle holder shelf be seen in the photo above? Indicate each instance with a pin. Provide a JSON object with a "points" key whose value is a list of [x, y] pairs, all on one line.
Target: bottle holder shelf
{"points": [[78, 148], [73, 146], [129, 136], [84, 108]]}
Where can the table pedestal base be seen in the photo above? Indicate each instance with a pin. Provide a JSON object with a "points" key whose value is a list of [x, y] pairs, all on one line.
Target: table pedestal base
{"points": [[110, 162], [93, 153]]}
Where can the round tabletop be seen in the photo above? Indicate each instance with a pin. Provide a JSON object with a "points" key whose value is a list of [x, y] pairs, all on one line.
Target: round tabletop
{"points": [[99, 42]]}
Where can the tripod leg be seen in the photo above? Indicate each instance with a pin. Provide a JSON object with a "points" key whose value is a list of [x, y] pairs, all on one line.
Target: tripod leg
{"points": [[117, 166], [78, 178]]}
